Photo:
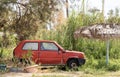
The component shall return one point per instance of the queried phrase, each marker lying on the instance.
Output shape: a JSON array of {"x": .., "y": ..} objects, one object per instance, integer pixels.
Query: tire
[{"x": 73, "y": 64}]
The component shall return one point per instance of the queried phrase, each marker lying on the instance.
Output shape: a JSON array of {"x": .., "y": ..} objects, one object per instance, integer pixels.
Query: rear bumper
[{"x": 81, "y": 61}]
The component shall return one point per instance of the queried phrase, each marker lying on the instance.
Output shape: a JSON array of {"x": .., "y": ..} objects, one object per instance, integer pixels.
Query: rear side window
[{"x": 30, "y": 46}]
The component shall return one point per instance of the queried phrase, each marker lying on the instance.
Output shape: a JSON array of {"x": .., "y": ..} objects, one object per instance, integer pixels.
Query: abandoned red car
[{"x": 49, "y": 53}]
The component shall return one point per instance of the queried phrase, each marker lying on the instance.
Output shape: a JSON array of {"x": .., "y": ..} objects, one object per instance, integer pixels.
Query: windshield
[{"x": 59, "y": 46}]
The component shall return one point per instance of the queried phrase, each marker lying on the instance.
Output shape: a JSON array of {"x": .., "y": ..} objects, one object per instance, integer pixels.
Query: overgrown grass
[
  {"x": 95, "y": 50},
  {"x": 96, "y": 65}
]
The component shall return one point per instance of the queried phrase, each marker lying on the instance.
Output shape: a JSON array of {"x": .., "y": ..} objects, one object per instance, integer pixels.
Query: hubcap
[{"x": 73, "y": 65}]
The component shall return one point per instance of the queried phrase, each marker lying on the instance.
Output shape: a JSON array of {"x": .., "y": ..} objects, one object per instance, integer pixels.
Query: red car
[{"x": 49, "y": 53}]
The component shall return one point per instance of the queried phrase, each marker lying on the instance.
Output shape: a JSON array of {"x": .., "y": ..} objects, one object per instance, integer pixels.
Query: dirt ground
[
  {"x": 39, "y": 75},
  {"x": 60, "y": 74},
  {"x": 53, "y": 72}
]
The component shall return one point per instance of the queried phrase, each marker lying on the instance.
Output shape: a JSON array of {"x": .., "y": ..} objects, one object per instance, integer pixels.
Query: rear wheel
[{"x": 73, "y": 64}]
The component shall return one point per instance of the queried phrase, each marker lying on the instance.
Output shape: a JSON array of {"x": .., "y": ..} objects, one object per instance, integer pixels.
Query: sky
[{"x": 109, "y": 4}]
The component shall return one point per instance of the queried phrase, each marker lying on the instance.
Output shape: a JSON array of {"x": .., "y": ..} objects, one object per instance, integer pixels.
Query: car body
[{"x": 48, "y": 52}]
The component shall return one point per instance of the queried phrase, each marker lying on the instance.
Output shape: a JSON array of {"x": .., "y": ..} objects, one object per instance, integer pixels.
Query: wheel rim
[{"x": 73, "y": 65}]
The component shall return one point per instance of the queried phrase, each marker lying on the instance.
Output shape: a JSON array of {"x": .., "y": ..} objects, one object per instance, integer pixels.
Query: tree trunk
[
  {"x": 103, "y": 3},
  {"x": 83, "y": 6},
  {"x": 67, "y": 11}
]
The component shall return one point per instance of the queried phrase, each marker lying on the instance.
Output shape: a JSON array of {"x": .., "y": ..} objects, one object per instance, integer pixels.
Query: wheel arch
[{"x": 72, "y": 58}]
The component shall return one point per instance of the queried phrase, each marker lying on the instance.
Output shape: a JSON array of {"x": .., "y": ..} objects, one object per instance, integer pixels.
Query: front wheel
[{"x": 73, "y": 64}]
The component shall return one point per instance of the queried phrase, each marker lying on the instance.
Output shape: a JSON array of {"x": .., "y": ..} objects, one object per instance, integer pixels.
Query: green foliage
[{"x": 113, "y": 67}]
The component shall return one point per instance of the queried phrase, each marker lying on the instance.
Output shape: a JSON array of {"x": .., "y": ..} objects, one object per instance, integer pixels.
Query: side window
[
  {"x": 30, "y": 46},
  {"x": 49, "y": 46}
]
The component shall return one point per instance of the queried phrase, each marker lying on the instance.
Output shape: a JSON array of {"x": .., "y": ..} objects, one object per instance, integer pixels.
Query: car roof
[{"x": 38, "y": 41}]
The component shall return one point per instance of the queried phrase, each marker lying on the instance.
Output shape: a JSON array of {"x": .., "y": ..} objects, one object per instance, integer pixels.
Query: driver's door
[{"x": 50, "y": 53}]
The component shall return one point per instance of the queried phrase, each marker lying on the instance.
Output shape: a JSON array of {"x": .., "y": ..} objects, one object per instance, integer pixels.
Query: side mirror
[
  {"x": 63, "y": 51},
  {"x": 59, "y": 50}
]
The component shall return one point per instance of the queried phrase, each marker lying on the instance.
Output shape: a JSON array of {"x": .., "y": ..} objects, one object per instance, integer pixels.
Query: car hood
[{"x": 76, "y": 52}]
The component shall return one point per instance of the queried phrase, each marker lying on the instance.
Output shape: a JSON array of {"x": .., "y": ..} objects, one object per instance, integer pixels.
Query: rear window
[{"x": 30, "y": 46}]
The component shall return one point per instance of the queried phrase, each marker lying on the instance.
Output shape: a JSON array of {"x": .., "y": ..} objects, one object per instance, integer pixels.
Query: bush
[{"x": 114, "y": 65}]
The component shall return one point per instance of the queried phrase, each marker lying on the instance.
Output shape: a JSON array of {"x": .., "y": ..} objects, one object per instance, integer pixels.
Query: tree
[
  {"x": 27, "y": 15},
  {"x": 5, "y": 12},
  {"x": 113, "y": 16}
]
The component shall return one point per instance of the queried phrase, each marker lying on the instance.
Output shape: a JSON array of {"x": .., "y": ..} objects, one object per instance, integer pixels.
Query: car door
[
  {"x": 50, "y": 53},
  {"x": 31, "y": 50}
]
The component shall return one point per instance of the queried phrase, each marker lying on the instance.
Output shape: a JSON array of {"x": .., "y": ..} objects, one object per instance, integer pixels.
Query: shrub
[{"x": 114, "y": 65}]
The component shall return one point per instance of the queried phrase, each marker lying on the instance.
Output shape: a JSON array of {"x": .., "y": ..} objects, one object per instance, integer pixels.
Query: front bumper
[{"x": 82, "y": 61}]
